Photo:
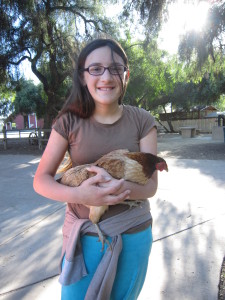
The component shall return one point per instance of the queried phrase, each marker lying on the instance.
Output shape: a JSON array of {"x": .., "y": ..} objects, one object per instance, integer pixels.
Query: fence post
[
  {"x": 4, "y": 137},
  {"x": 39, "y": 138}
]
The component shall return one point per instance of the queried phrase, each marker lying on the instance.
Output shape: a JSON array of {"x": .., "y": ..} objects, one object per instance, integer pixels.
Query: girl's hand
[{"x": 102, "y": 189}]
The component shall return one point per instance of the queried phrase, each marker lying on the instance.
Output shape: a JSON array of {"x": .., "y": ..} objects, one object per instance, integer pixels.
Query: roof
[{"x": 210, "y": 107}]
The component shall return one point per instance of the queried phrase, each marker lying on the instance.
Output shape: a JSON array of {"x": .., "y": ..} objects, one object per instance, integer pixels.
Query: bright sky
[
  {"x": 25, "y": 68},
  {"x": 183, "y": 16}
]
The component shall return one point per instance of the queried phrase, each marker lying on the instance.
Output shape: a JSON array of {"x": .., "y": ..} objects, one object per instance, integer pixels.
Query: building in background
[{"x": 24, "y": 122}]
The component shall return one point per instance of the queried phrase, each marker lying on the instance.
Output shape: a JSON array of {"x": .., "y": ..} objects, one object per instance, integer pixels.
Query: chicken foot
[{"x": 102, "y": 238}]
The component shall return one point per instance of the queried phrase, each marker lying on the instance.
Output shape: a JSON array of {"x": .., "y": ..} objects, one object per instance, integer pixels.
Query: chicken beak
[{"x": 161, "y": 166}]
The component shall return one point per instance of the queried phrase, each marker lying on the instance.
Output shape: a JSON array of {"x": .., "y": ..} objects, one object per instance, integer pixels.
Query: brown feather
[{"x": 136, "y": 167}]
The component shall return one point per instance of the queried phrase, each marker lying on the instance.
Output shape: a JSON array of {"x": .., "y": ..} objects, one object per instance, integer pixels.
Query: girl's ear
[{"x": 127, "y": 75}]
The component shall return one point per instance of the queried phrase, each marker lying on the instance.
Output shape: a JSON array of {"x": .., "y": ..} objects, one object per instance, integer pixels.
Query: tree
[
  {"x": 49, "y": 34},
  {"x": 6, "y": 101},
  {"x": 209, "y": 41},
  {"x": 29, "y": 99},
  {"x": 220, "y": 104},
  {"x": 152, "y": 13},
  {"x": 150, "y": 76},
  {"x": 200, "y": 78},
  {"x": 151, "y": 81}
]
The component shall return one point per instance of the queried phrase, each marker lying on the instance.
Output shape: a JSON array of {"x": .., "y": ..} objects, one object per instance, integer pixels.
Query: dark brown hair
[{"x": 80, "y": 101}]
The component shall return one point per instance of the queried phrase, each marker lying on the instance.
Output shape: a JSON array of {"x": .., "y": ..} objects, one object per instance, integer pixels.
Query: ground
[
  {"x": 200, "y": 147},
  {"x": 20, "y": 146},
  {"x": 169, "y": 145}
]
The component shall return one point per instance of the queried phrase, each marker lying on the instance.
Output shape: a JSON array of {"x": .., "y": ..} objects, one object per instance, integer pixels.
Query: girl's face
[{"x": 106, "y": 88}]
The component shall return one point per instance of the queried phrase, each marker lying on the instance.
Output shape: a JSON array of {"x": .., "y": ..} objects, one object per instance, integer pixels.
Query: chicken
[{"x": 136, "y": 167}]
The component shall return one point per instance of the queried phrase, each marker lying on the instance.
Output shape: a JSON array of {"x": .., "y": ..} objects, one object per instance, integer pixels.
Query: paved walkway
[{"x": 188, "y": 248}]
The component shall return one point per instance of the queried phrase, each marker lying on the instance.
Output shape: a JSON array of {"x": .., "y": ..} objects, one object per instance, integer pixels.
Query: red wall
[
  {"x": 40, "y": 123},
  {"x": 19, "y": 120}
]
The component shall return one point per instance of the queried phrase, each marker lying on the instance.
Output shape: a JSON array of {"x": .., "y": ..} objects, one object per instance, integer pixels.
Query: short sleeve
[
  {"x": 61, "y": 125},
  {"x": 147, "y": 122}
]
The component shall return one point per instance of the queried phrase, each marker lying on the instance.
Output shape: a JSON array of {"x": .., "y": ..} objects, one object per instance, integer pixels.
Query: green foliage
[
  {"x": 49, "y": 34},
  {"x": 199, "y": 46},
  {"x": 29, "y": 99},
  {"x": 205, "y": 91},
  {"x": 6, "y": 101},
  {"x": 151, "y": 14},
  {"x": 220, "y": 104},
  {"x": 156, "y": 81},
  {"x": 196, "y": 78},
  {"x": 149, "y": 75}
]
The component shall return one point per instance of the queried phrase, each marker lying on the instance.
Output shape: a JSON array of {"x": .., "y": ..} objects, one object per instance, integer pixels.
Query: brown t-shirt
[{"x": 88, "y": 140}]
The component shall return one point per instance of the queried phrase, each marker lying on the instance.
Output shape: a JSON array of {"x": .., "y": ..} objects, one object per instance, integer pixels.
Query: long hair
[{"x": 80, "y": 101}]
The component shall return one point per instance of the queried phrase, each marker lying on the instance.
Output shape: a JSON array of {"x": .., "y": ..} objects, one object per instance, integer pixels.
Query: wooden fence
[
  {"x": 202, "y": 125},
  {"x": 36, "y": 136}
]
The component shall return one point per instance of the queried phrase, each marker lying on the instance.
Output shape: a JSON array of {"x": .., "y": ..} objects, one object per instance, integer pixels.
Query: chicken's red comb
[{"x": 161, "y": 166}]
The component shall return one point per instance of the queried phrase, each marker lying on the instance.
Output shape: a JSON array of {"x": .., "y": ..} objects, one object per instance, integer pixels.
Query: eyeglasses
[{"x": 97, "y": 70}]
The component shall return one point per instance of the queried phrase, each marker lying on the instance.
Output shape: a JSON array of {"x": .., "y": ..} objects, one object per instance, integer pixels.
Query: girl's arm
[
  {"x": 88, "y": 193},
  {"x": 147, "y": 144}
]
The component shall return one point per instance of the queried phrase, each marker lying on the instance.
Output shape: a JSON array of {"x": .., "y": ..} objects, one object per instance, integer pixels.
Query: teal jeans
[{"x": 131, "y": 269}]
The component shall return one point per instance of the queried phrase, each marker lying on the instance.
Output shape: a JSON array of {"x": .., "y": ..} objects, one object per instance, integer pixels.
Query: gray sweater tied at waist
[{"x": 74, "y": 267}]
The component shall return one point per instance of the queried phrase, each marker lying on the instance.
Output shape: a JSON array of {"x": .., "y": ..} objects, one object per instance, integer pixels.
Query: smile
[{"x": 105, "y": 88}]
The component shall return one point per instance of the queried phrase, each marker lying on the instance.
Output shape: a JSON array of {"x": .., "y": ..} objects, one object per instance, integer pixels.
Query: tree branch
[
  {"x": 19, "y": 61},
  {"x": 73, "y": 10}
]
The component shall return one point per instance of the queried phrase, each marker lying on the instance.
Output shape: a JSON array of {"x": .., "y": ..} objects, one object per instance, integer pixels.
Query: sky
[{"x": 183, "y": 16}]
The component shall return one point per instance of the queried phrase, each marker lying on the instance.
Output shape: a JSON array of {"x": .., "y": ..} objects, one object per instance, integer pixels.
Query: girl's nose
[{"x": 106, "y": 75}]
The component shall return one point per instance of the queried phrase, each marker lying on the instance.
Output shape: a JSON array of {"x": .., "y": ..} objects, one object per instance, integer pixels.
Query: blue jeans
[{"x": 131, "y": 269}]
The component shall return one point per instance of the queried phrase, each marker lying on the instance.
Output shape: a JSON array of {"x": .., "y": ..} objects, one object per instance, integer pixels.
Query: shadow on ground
[
  {"x": 188, "y": 225},
  {"x": 30, "y": 226},
  {"x": 188, "y": 221},
  {"x": 189, "y": 255},
  {"x": 200, "y": 147}
]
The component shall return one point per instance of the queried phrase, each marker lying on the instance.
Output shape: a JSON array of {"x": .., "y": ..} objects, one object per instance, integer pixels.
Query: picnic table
[{"x": 188, "y": 131}]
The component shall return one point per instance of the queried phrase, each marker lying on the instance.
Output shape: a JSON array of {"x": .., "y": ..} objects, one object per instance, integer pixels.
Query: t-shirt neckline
[{"x": 109, "y": 124}]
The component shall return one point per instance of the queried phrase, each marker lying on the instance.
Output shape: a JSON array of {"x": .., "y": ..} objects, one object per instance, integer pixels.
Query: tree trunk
[
  {"x": 166, "y": 129},
  {"x": 51, "y": 111},
  {"x": 170, "y": 126},
  {"x": 168, "y": 121}
]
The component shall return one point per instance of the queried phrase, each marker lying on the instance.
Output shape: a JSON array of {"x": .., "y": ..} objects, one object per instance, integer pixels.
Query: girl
[{"x": 92, "y": 123}]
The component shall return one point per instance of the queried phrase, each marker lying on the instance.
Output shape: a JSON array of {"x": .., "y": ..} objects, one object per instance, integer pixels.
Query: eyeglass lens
[{"x": 114, "y": 70}]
